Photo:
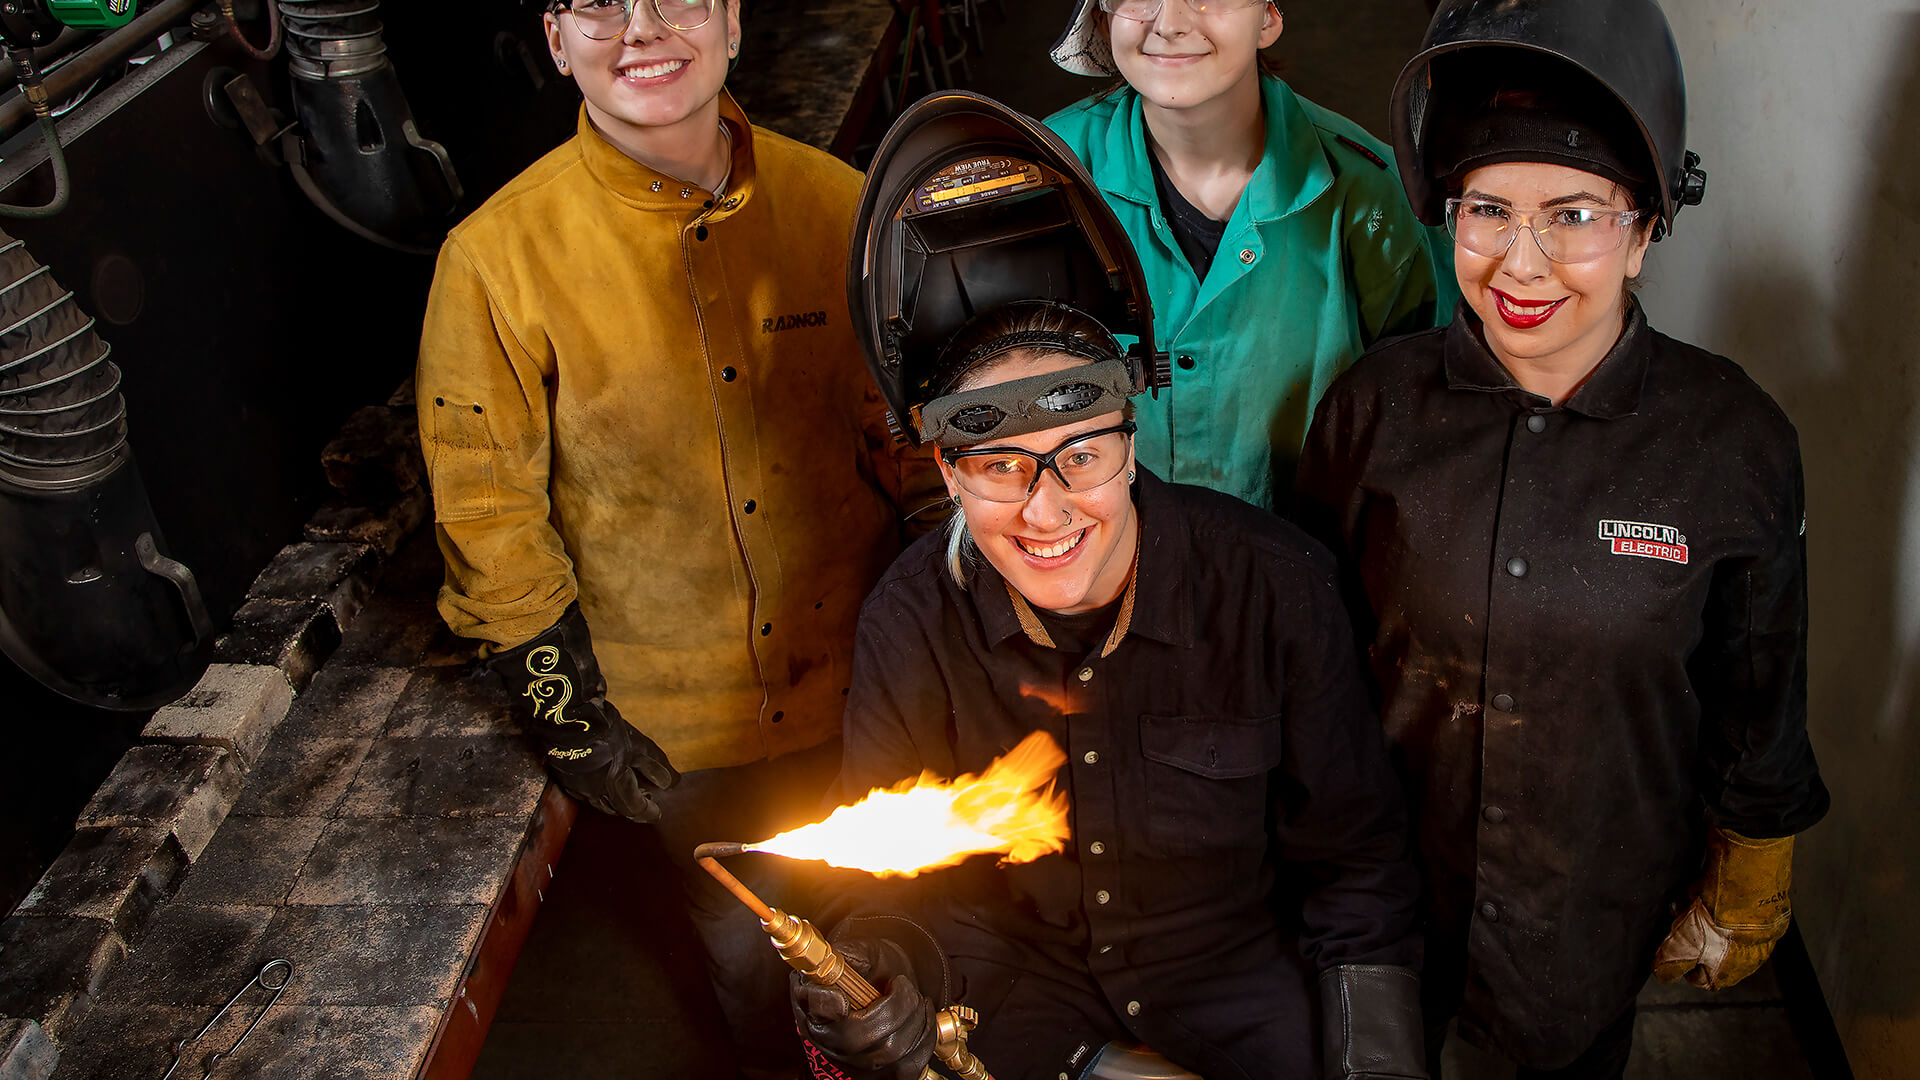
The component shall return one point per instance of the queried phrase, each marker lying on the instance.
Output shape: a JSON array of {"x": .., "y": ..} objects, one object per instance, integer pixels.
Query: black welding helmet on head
[
  {"x": 1592, "y": 84},
  {"x": 969, "y": 207}
]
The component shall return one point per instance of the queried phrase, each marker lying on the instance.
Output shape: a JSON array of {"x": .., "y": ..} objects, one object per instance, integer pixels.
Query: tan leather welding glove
[{"x": 1739, "y": 910}]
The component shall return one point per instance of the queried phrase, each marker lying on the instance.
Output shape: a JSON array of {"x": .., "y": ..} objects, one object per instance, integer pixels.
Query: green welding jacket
[
  {"x": 1321, "y": 258},
  {"x": 646, "y": 396}
]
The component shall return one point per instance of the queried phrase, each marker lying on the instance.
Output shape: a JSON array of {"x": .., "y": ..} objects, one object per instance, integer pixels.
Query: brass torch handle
[{"x": 807, "y": 951}]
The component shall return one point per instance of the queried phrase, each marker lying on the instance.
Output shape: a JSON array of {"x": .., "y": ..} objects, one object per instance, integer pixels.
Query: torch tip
[{"x": 720, "y": 850}]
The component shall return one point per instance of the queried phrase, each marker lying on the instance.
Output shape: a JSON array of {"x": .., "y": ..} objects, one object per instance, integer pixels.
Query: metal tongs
[{"x": 265, "y": 979}]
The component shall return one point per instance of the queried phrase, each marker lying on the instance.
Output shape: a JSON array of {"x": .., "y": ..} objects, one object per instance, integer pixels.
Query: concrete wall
[{"x": 1804, "y": 265}]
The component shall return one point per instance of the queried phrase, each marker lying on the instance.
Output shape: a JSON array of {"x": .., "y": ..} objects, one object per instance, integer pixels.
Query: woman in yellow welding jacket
[
  {"x": 623, "y": 349},
  {"x": 1237, "y": 835}
]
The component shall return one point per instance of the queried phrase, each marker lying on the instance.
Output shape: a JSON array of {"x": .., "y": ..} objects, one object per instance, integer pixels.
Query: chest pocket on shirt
[
  {"x": 460, "y": 461},
  {"x": 1207, "y": 780}
]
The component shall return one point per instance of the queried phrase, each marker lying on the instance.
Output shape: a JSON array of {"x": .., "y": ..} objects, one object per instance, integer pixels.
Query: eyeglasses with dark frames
[{"x": 1008, "y": 474}]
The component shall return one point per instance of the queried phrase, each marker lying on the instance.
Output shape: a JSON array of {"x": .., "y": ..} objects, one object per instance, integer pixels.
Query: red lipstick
[{"x": 1524, "y": 315}]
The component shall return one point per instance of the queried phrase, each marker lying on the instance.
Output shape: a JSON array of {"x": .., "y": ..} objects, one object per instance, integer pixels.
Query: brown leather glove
[{"x": 1739, "y": 910}]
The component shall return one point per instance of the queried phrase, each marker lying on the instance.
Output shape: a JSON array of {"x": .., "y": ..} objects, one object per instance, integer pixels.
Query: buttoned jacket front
[
  {"x": 650, "y": 398},
  {"x": 1588, "y": 625}
]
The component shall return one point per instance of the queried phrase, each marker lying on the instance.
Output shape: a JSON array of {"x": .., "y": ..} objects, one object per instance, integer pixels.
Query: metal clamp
[{"x": 264, "y": 979}]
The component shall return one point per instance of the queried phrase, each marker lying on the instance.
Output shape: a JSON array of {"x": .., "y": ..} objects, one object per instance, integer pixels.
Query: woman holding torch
[
  {"x": 1581, "y": 549},
  {"x": 1236, "y": 832}
]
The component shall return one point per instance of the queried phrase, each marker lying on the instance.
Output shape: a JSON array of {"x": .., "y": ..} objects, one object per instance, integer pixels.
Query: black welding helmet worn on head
[
  {"x": 970, "y": 207},
  {"x": 1592, "y": 84}
]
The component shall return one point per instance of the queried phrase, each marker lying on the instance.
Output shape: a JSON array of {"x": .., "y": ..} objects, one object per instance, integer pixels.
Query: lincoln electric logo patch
[
  {"x": 776, "y": 323},
  {"x": 1645, "y": 540}
]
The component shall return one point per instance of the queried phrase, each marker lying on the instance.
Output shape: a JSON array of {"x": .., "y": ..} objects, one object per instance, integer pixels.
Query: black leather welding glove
[
  {"x": 1370, "y": 1026},
  {"x": 893, "y": 1038},
  {"x": 596, "y": 755}
]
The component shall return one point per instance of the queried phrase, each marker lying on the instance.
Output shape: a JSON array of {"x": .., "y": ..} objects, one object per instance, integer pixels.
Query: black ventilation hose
[{"x": 36, "y": 94}]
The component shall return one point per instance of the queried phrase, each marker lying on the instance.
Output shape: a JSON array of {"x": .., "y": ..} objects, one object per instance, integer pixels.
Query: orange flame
[{"x": 929, "y": 823}]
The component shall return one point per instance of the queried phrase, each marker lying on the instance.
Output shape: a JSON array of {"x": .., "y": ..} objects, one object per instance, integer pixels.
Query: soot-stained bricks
[
  {"x": 338, "y": 575},
  {"x": 484, "y": 775},
  {"x": 25, "y": 1051},
  {"x": 119, "y": 876},
  {"x": 303, "y": 777},
  {"x": 196, "y": 955},
  {"x": 453, "y": 701},
  {"x": 403, "y": 860},
  {"x": 346, "y": 701},
  {"x": 383, "y": 527},
  {"x": 55, "y": 966},
  {"x": 384, "y": 954},
  {"x": 252, "y": 860},
  {"x": 185, "y": 789},
  {"x": 236, "y": 706},
  {"x": 295, "y": 636}
]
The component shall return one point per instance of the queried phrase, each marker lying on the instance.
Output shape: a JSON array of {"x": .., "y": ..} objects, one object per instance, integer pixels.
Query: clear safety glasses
[
  {"x": 1006, "y": 474},
  {"x": 603, "y": 20},
  {"x": 1148, "y": 10},
  {"x": 1566, "y": 234}
]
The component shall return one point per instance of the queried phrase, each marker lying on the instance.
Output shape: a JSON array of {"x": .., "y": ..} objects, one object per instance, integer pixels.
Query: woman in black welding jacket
[
  {"x": 1580, "y": 547},
  {"x": 1237, "y": 833}
]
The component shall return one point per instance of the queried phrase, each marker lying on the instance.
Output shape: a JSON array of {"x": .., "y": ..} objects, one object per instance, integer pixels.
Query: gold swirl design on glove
[{"x": 550, "y": 690}]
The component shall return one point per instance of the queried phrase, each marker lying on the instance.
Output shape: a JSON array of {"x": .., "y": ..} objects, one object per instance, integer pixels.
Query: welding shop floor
[{"x": 611, "y": 982}]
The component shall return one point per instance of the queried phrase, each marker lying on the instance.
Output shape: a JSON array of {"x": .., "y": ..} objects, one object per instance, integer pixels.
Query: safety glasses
[
  {"x": 1566, "y": 234},
  {"x": 1007, "y": 474},
  {"x": 603, "y": 20}
]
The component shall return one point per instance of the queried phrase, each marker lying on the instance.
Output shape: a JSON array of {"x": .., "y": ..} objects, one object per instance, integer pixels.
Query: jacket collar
[
  {"x": 1292, "y": 173},
  {"x": 1611, "y": 393},
  {"x": 1162, "y": 599},
  {"x": 649, "y": 189}
]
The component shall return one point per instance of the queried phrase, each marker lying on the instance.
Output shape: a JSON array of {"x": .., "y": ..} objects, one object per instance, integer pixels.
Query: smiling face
[
  {"x": 651, "y": 77},
  {"x": 1539, "y": 314},
  {"x": 1065, "y": 551},
  {"x": 1182, "y": 59}
]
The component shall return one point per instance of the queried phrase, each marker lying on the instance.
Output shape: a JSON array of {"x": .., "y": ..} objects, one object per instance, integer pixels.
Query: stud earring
[
  {"x": 1129, "y": 476},
  {"x": 733, "y": 48},
  {"x": 563, "y": 67}
]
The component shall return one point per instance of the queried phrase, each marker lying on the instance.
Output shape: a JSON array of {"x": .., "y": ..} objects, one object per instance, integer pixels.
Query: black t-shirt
[
  {"x": 1198, "y": 235},
  {"x": 1082, "y": 633}
]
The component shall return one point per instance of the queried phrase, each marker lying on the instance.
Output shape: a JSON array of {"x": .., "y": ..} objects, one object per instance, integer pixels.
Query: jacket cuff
[{"x": 1370, "y": 1023}]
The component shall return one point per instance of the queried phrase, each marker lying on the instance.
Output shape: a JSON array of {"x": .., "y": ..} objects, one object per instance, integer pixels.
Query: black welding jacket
[
  {"x": 1236, "y": 825},
  {"x": 1589, "y": 631}
]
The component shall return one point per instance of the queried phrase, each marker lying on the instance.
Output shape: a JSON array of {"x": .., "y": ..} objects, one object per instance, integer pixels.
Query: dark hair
[{"x": 1015, "y": 318}]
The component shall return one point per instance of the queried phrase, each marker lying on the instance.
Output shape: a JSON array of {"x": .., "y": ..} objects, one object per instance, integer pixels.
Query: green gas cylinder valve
[{"x": 92, "y": 14}]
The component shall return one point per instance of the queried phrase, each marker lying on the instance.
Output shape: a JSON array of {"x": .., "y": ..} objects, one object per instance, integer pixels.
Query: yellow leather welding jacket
[{"x": 650, "y": 398}]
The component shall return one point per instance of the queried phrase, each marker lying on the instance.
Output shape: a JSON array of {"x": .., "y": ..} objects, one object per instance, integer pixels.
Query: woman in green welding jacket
[{"x": 1276, "y": 240}]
